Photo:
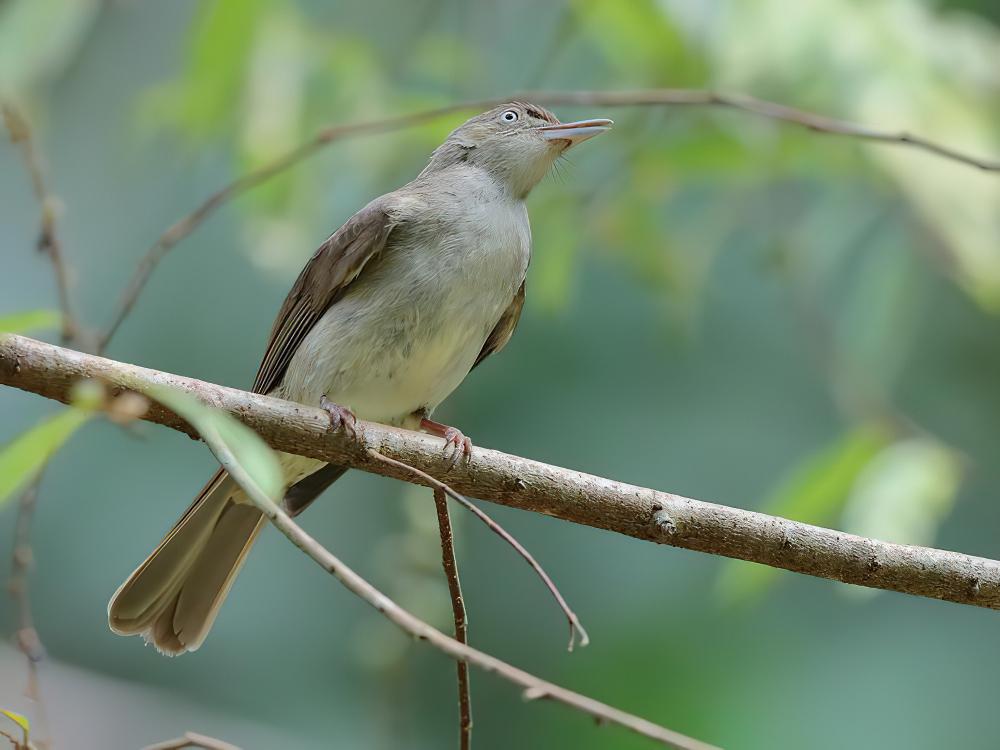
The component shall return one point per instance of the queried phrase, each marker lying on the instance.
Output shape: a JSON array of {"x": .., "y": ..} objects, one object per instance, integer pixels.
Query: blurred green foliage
[
  {"x": 719, "y": 305},
  {"x": 816, "y": 489},
  {"x": 23, "y": 457},
  {"x": 30, "y": 321}
]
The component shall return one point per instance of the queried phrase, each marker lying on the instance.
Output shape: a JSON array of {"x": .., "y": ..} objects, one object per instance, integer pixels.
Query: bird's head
[{"x": 517, "y": 143}]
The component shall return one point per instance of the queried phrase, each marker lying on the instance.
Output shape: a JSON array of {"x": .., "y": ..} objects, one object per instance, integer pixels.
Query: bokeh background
[{"x": 719, "y": 306}]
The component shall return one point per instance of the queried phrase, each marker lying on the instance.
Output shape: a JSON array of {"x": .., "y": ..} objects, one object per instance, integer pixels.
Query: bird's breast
[{"x": 409, "y": 329}]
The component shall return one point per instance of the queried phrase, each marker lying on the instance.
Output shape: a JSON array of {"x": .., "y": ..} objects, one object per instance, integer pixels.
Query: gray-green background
[{"x": 719, "y": 306}]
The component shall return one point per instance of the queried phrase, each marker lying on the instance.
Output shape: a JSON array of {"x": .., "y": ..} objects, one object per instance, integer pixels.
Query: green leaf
[
  {"x": 210, "y": 92},
  {"x": 814, "y": 492},
  {"x": 881, "y": 64},
  {"x": 638, "y": 40},
  {"x": 30, "y": 320},
  {"x": 38, "y": 38},
  {"x": 905, "y": 492},
  {"x": 252, "y": 453},
  {"x": 903, "y": 495},
  {"x": 22, "y": 458},
  {"x": 21, "y": 721}
]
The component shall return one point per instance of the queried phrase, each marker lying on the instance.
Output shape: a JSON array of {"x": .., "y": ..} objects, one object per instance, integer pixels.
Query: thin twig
[
  {"x": 575, "y": 626},
  {"x": 187, "y": 224},
  {"x": 48, "y": 238},
  {"x": 534, "y": 687},
  {"x": 518, "y": 482},
  {"x": 450, "y": 565},
  {"x": 762, "y": 108},
  {"x": 192, "y": 739},
  {"x": 28, "y": 640},
  {"x": 21, "y": 562},
  {"x": 653, "y": 97}
]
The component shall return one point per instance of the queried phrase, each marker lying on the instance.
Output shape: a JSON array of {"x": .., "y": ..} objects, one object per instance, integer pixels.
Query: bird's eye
[{"x": 509, "y": 116}]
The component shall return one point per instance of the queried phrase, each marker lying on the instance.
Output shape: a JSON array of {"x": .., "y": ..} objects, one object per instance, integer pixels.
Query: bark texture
[{"x": 639, "y": 512}]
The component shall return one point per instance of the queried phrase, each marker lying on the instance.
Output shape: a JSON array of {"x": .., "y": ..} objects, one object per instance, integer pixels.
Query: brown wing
[
  {"x": 333, "y": 266},
  {"x": 504, "y": 328}
]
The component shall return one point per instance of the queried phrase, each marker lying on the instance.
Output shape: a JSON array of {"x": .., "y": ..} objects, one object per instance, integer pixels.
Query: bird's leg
[
  {"x": 340, "y": 416},
  {"x": 454, "y": 439}
]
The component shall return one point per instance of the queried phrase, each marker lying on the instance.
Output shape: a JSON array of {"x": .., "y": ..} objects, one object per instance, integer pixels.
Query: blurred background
[{"x": 719, "y": 306}]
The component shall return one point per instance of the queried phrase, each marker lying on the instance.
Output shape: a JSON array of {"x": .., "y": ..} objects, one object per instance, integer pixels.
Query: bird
[{"x": 386, "y": 319}]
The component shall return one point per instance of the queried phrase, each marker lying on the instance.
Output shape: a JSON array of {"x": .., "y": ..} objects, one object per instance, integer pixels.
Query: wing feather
[
  {"x": 504, "y": 328},
  {"x": 334, "y": 265}
]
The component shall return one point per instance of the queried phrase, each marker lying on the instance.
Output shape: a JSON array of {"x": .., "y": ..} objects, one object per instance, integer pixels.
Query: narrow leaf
[
  {"x": 905, "y": 492},
  {"x": 21, "y": 721},
  {"x": 252, "y": 453},
  {"x": 23, "y": 457},
  {"x": 29, "y": 320}
]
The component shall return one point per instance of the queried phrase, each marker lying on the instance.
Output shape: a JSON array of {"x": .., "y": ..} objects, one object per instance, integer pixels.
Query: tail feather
[
  {"x": 212, "y": 575},
  {"x": 173, "y": 597}
]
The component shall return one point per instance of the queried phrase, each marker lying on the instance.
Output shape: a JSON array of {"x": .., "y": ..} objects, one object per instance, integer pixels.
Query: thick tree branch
[
  {"x": 638, "y": 512},
  {"x": 642, "y": 98}
]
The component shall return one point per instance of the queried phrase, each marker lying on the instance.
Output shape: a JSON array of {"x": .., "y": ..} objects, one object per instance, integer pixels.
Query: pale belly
[
  {"x": 387, "y": 384},
  {"x": 386, "y": 368}
]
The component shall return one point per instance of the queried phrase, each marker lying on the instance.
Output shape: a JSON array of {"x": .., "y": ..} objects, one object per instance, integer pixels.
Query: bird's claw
[
  {"x": 458, "y": 445},
  {"x": 341, "y": 418},
  {"x": 455, "y": 442}
]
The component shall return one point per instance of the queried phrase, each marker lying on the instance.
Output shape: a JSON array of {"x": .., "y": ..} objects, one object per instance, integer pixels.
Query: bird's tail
[{"x": 173, "y": 597}]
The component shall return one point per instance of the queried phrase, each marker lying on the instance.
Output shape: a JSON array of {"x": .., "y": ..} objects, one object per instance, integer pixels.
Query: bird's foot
[
  {"x": 455, "y": 440},
  {"x": 341, "y": 418}
]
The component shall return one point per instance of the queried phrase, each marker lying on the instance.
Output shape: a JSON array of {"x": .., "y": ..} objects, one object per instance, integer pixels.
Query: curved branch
[
  {"x": 576, "y": 629},
  {"x": 642, "y": 98},
  {"x": 768, "y": 110},
  {"x": 534, "y": 687},
  {"x": 48, "y": 237},
  {"x": 652, "y": 515}
]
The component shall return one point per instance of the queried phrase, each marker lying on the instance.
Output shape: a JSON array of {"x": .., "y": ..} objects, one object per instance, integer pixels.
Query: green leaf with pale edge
[
  {"x": 252, "y": 453},
  {"x": 23, "y": 457},
  {"x": 30, "y": 320},
  {"x": 904, "y": 494},
  {"x": 814, "y": 492},
  {"x": 21, "y": 721}
]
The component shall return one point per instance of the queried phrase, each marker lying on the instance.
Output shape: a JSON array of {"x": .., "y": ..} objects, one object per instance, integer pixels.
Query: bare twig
[
  {"x": 761, "y": 108},
  {"x": 534, "y": 687},
  {"x": 48, "y": 238},
  {"x": 575, "y": 626},
  {"x": 643, "y": 98},
  {"x": 21, "y": 562},
  {"x": 639, "y": 512},
  {"x": 187, "y": 224},
  {"x": 450, "y": 565},
  {"x": 28, "y": 640},
  {"x": 192, "y": 739}
]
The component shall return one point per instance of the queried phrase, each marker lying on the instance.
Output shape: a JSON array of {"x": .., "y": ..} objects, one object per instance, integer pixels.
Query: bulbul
[{"x": 386, "y": 319}]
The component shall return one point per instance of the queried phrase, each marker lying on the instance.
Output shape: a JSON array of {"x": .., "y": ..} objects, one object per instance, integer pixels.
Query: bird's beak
[{"x": 575, "y": 132}]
